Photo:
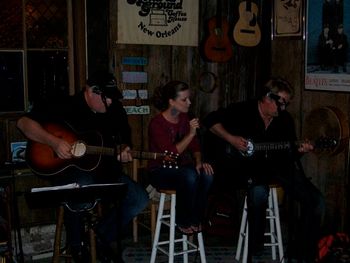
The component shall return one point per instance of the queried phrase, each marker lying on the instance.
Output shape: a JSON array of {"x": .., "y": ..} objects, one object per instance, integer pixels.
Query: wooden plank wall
[{"x": 239, "y": 79}]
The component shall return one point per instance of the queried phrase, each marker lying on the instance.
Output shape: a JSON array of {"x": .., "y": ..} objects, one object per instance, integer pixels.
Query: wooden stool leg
[
  {"x": 58, "y": 235},
  {"x": 92, "y": 245},
  {"x": 153, "y": 219}
]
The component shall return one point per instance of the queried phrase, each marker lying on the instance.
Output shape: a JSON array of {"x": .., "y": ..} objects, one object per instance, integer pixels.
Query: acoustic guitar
[
  {"x": 246, "y": 32},
  {"x": 43, "y": 160},
  {"x": 217, "y": 46}
]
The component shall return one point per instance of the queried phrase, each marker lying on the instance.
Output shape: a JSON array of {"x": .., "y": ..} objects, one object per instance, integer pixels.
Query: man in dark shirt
[
  {"x": 241, "y": 127},
  {"x": 96, "y": 109}
]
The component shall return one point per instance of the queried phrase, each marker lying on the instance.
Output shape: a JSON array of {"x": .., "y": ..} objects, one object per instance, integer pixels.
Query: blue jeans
[
  {"x": 307, "y": 226},
  {"x": 191, "y": 192},
  {"x": 110, "y": 226}
]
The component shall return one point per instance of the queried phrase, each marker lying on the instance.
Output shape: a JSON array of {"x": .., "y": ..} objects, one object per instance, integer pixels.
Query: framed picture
[
  {"x": 327, "y": 47},
  {"x": 288, "y": 18}
]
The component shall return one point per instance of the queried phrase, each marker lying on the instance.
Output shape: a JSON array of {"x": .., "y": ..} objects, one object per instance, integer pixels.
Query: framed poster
[
  {"x": 327, "y": 47},
  {"x": 160, "y": 22},
  {"x": 288, "y": 18}
]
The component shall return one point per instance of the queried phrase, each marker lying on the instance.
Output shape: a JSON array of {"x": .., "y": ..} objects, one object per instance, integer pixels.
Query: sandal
[
  {"x": 186, "y": 230},
  {"x": 197, "y": 228}
]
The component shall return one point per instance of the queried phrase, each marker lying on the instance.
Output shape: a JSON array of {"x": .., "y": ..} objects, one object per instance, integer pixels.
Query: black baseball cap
[{"x": 104, "y": 83}]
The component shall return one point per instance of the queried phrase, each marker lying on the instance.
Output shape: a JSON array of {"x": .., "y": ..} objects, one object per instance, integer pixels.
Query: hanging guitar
[
  {"x": 43, "y": 160},
  {"x": 321, "y": 144},
  {"x": 217, "y": 46},
  {"x": 246, "y": 32}
]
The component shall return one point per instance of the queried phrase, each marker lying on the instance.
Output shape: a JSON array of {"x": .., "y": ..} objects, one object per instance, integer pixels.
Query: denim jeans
[
  {"x": 110, "y": 226},
  {"x": 191, "y": 192},
  {"x": 307, "y": 226}
]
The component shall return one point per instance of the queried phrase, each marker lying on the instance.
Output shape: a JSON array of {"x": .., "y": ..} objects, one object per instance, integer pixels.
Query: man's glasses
[{"x": 280, "y": 101}]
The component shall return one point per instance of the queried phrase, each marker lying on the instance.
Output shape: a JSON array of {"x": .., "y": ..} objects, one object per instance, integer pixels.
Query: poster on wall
[
  {"x": 327, "y": 45},
  {"x": 161, "y": 22},
  {"x": 288, "y": 18}
]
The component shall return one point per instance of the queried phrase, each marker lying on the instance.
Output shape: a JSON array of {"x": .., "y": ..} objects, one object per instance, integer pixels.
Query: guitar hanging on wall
[
  {"x": 247, "y": 31},
  {"x": 217, "y": 46}
]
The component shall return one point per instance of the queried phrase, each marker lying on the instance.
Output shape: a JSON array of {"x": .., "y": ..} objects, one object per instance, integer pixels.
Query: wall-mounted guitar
[
  {"x": 246, "y": 31},
  {"x": 217, "y": 46},
  {"x": 43, "y": 160}
]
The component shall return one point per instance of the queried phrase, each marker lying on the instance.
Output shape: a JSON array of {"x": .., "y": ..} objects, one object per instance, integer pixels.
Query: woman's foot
[
  {"x": 197, "y": 228},
  {"x": 185, "y": 230}
]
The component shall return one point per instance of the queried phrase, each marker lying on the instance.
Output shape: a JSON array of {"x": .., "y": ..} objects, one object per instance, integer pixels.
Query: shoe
[{"x": 185, "y": 230}]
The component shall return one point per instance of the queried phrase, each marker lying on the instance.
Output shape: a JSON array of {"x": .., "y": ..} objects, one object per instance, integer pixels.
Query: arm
[
  {"x": 206, "y": 167},
  {"x": 236, "y": 141},
  {"x": 35, "y": 132},
  {"x": 182, "y": 145}
]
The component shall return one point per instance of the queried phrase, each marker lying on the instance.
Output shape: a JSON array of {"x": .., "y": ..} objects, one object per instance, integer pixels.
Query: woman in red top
[{"x": 171, "y": 130}]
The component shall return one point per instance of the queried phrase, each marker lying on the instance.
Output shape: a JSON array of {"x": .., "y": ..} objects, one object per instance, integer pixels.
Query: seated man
[
  {"x": 98, "y": 109},
  {"x": 243, "y": 125}
]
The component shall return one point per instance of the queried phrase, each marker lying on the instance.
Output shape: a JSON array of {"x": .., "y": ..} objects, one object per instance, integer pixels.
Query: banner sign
[{"x": 158, "y": 22}]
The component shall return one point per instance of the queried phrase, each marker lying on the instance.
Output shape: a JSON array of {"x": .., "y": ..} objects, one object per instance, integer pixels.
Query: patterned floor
[{"x": 213, "y": 255}]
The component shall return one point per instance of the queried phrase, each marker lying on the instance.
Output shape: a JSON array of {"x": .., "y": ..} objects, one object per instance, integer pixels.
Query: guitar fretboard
[
  {"x": 112, "y": 151},
  {"x": 270, "y": 146}
]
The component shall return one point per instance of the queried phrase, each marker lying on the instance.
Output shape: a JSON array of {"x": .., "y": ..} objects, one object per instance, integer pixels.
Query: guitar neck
[
  {"x": 271, "y": 146},
  {"x": 112, "y": 151}
]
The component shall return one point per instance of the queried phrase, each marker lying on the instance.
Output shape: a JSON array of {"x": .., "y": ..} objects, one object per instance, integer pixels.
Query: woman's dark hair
[{"x": 170, "y": 90}]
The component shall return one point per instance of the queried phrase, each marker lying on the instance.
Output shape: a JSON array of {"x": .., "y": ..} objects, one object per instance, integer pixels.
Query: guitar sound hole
[{"x": 78, "y": 149}]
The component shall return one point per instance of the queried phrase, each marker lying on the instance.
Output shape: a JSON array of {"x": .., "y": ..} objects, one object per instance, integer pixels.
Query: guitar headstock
[
  {"x": 327, "y": 144},
  {"x": 170, "y": 160}
]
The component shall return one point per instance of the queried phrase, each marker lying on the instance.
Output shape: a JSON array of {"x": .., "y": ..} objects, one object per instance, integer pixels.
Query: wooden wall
[{"x": 240, "y": 78}]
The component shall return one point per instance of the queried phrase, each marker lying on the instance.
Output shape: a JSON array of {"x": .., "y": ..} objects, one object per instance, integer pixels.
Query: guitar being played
[
  {"x": 43, "y": 160},
  {"x": 266, "y": 121},
  {"x": 97, "y": 109}
]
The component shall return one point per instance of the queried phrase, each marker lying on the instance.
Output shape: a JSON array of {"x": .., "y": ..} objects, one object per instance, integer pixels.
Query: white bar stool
[
  {"x": 168, "y": 219},
  {"x": 274, "y": 233}
]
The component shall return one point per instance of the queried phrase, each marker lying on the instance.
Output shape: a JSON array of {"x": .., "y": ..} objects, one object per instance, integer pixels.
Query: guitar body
[
  {"x": 44, "y": 161},
  {"x": 246, "y": 31},
  {"x": 217, "y": 46}
]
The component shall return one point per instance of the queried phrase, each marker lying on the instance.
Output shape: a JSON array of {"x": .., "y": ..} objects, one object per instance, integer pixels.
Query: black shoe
[{"x": 80, "y": 254}]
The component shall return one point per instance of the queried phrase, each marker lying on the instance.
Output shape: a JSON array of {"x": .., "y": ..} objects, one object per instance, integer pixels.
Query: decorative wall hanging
[
  {"x": 288, "y": 18},
  {"x": 161, "y": 22},
  {"x": 327, "y": 53}
]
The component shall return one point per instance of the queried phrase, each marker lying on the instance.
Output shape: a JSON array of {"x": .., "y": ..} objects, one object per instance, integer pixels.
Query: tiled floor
[{"x": 219, "y": 249}]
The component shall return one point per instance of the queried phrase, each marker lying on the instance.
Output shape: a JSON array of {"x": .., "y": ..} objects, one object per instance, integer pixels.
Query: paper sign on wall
[
  {"x": 134, "y": 77},
  {"x": 130, "y": 94},
  {"x": 138, "y": 110},
  {"x": 161, "y": 22}
]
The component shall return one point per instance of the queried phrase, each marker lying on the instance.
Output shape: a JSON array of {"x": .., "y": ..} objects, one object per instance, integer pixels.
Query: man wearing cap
[{"x": 97, "y": 108}]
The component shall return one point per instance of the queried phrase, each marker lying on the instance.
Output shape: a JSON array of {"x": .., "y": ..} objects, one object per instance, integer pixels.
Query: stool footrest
[{"x": 193, "y": 247}]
